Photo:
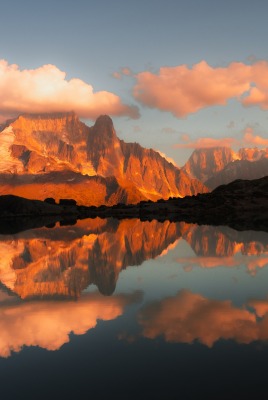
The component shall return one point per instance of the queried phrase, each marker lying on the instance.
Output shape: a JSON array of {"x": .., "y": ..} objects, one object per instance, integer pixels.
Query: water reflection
[
  {"x": 60, "y": 263},
  {"x": 63, "y": 261},
  {"x": 223, "y": 246},
  {"x": 188, "y": 316},
  {"x": 48, "y": 324}
]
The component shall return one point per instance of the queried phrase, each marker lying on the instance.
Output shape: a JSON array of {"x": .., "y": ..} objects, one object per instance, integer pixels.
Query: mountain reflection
[
  {"x": 224, "y": 246},
  {"x": 59, "y": 263},
  {"x": 48, "y": 324},
  {"x": 63, "y": 261},
  {"x": 187, "y": 317}
]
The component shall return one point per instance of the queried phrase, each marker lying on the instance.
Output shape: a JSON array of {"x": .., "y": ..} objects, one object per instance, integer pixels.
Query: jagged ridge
[{"x": 40, "y": 145}]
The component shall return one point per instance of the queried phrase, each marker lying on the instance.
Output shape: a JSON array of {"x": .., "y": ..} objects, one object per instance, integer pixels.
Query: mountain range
[
  {"x": 57, "y": 155},
  {"x": 62, "y": 262},
  {"x": 221, "y": 165}
]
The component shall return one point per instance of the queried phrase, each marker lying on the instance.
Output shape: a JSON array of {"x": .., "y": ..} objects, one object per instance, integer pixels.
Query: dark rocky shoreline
[{"x": 242, "y": 205}]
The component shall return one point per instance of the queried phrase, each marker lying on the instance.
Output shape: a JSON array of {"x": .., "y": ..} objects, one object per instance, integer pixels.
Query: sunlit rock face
[
  {"x": 36, "y": 149},
  {"x": 221, "y": 165},
  {"x": 252, "y": 154},
  {"x": 204, "y": 163},
  {"x": 61, "y": 262}
]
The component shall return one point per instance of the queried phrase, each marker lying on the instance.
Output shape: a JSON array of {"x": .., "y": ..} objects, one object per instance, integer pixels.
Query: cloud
[
  {"x": 47, "y": 324},
  {"x": 184, "y": 90},
  {"x": 117, "y": 75},
  {"x": 123, "y": 71},
  {"x": 250, "y": 139},
  {"x": 252, "y": 264},
  {"x": 187, "y": 317},
  {"x": 206, "y": 142},
  {"x": 46, "y": 89},
  {"x": 168, "y": 130}
]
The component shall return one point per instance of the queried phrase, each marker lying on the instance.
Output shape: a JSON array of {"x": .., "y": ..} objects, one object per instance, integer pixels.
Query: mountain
[
  {"x": 239, "y": 169},
  {"x": 204, "y": 163},
  {"x": 56, "y": 155},
  {"x": 61, "y": 262},
  {"x": 221, "y": 165}
]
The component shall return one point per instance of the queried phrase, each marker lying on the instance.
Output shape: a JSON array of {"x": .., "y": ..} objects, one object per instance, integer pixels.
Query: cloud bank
[
  {"x": 249, "y": 139},
  {"x": 46, "y": 89},
  {"x": 182, "y": 90}
]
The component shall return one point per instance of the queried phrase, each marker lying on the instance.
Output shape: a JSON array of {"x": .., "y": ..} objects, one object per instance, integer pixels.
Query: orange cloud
[
  {"x": 182, "y": 90},
  {"x": 189, "y": 316},
  {"x": 48, "y": 324},
  {"x": 46, "y": 89},
  {"x": 253, "y": 140},
  {"x": 258, "y": 94},
  {"x": 253, "y": 263},
  {"x": 123, "y": 71},
  {"x": 206, "y": 143}
]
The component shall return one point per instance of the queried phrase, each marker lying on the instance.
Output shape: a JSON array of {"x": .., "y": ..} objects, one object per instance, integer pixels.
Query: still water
[{"x": 133, "y": 310}]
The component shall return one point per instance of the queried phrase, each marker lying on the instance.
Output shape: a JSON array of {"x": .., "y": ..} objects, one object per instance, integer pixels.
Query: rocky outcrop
[{"x": 14, "y": 206}]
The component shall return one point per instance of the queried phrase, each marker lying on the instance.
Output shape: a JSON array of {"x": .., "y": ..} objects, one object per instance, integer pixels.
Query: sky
[{"x": 173, "y": 75}]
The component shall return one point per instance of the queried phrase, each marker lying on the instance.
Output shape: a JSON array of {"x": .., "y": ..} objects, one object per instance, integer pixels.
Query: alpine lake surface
[{"x": 133, "y": 310}]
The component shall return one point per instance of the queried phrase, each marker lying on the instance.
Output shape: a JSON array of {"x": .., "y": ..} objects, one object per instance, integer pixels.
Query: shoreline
[{"x": 242, "y": 205}]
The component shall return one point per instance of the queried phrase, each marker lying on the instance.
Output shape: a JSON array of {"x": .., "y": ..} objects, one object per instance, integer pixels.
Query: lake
[{"x": 133, "y": 310}]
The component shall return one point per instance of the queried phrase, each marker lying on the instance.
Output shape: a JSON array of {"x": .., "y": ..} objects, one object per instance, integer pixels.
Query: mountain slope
[
  {"x": 239, "y": 169},
  {"x": 56, "y": 155},
  {"x": 221, "y": 165}
]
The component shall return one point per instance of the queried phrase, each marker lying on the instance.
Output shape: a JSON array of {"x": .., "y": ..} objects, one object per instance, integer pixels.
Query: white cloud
[{"x": 46, "y": 89}]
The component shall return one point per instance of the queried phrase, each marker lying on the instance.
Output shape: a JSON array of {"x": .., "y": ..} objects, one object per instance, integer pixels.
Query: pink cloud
[
  {"x": 126, "y": 71},
  {"x": 258, "y": 94},
  {"x": 183, "y": 90},
  {"x": 250, "y": 139},
  {"x": 117, "y": 75},
  {"x": 123, "y": 71},
  {"x": 46, "y": 89},
  {"x": 48, "y": 324},
  {"x": 206, "y": 143},
  {"x": 187, "y": 317}
]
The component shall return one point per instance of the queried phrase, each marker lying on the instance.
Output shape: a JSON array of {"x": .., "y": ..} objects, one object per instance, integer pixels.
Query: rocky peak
[
  {"x": 103, "y": 147},
  {"x": 104, "y": 128},
  {"x": 252, "y": 154},
  {"x": 65, "y": 124},
  {"x": 205, "y": 162}
]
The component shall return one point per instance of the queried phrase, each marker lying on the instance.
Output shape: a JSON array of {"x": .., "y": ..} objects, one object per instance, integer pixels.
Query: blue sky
[{"x": 94, "y": 40}]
